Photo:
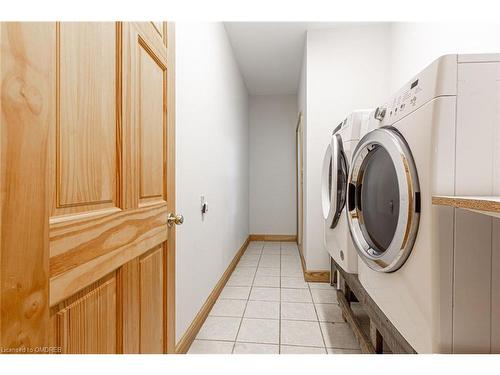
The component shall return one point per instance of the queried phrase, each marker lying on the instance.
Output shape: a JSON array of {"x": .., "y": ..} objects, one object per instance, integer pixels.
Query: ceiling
[{"x": 270, "y": 54}]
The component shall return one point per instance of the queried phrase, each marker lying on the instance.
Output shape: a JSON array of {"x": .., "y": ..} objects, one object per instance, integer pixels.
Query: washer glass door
[
  {"x": 380, "y": 197},
  {"x": 384, "y": 200}
]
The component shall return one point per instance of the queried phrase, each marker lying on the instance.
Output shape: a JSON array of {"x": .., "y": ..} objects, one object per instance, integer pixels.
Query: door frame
[{"x": 299, "y": 169}]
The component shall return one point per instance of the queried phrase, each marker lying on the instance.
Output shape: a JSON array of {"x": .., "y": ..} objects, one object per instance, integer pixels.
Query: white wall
[
  {"x": 273, "y": 120},
  {"x": 211, "y": 159},
  {"x": 415, "y": 45},
  {"x": 347, "y": 69}
]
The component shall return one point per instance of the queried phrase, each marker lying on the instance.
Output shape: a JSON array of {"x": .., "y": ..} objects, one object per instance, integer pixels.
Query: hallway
[{"x": 266, "y": 307}]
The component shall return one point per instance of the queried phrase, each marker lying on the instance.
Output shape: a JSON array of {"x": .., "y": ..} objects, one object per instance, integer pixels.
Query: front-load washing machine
[
  {"x": 429, "y": 268},
  {"x": 334, "y": 190}
]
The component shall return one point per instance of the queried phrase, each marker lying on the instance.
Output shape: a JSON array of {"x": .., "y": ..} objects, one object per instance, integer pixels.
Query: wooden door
[
  {"x": 300, "y": 182},
  {"x": 107, "y": 281}
]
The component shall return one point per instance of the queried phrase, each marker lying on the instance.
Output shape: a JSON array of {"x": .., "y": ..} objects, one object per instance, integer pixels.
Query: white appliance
[
  {"x": 431, "y": 269},
  {"x": 334, "y": 190}
]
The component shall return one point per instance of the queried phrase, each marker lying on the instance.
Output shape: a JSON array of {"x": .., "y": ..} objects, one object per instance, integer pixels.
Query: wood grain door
[
  {"x": 107, "y": 255},
  {"x": 300, "y": 181}
]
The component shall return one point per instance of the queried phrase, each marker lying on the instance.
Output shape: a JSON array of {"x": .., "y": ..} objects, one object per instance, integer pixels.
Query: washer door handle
[
  {"x": 351, "y": 197},
  {"x": 358, "y": 197}
]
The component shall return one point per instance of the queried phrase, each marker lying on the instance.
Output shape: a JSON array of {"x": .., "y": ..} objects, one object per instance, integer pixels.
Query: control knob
[{"x": 380, "y": 113}]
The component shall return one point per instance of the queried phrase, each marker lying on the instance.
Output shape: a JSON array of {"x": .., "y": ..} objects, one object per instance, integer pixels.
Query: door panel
[
  {"x": 152, "y": 121},
  {"x": 143, "y": 303},
  {"x": 131, "y": 309},
  {"x": 86, "y": 323},
  {"x": 145, "y": 84},
  {"x": 86, "y": 134},
  {"x": 151, "y": 301},
  {"x": 84, "y": 137}
]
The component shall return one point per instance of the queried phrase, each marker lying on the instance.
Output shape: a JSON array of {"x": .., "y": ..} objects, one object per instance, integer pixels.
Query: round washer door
[
  {"x": 383, "y": 200},
  {"x": 334, "y": 181}
]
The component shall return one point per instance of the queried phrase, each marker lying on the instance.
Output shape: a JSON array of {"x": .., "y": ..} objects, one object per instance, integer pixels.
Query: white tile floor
[{"x": 266, "y": 307}]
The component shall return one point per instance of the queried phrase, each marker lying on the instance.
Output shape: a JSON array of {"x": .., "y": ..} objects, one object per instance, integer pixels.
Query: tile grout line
[
  {"x": 248, "y": 299},
  {"x": 317, "y": 317},
  {"x": 262, "y": 343},
  {"x": 277, "y": 287},
  {"x": 288, "y": 320}
]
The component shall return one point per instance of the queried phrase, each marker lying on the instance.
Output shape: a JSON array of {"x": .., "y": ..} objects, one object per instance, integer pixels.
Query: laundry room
[
  {"x": 307, "y": 171},
  {"x": 296, "y": 188}
]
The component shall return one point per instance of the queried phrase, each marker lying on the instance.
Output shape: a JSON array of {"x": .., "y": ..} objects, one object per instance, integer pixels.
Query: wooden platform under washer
[{"x": 382, "y": 331}]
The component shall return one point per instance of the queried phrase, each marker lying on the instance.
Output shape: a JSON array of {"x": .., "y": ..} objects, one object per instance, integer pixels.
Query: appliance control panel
[
  {"x": 406, "y": 101},
  {"x": 437, "y": 79}
]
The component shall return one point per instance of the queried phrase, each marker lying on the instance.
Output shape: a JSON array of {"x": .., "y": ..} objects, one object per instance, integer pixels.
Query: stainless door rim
[
  {"x": 409, "y": 200},
  {"x": 326, "y": 191},
  {"x": 332, "y": 209},
  {"x": 338, "y": 157}
]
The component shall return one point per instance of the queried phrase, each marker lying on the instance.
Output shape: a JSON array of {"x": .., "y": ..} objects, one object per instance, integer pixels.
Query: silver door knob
[{"x": 174, "y": 219}]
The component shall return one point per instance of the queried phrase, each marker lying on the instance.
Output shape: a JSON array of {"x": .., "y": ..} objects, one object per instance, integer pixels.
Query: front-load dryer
[
  {"x": 334, "y": 190},
  {"x": 430, "y": 268}
]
